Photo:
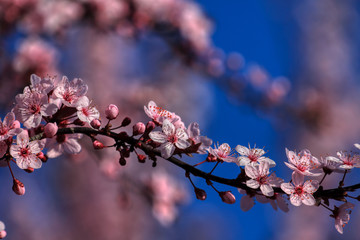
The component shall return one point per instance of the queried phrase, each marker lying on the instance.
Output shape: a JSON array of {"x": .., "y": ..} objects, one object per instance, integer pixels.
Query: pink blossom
[
  {"x": 18, "y": 187},
  {"x": 342, "y": 215},
  {"x": 25, "y": 152},
  {"x": 138, "y": 128},
  {"x": 259, "y": 178},
  {"x": 7, "y": 127},
  {"x": 223, "y": 152},
  {"x": 50, "y": 130},
  {"x": 32, "y": 106},
  {"x": 156, "y": 113},
  {"x": 71, "y": 92},
  {"x": 170, "y": 137},
  {"x": 227, "y": 197},
  {"x": 63, "y": 143},
  {"x": 111, "y": 112},
  {"x": 330, "y": 164},
  {"x": 193, "y": 132},
  {"x": 303, "y": 163},
  {"x": 95, "y": 123},
  {"x": 299, "y": 191},
  {"x": 41, "y": 85},
  {"x": 348, "y": 161},
  {"x": 252, "y": 156},
  {"x": 85, "y": 111}
]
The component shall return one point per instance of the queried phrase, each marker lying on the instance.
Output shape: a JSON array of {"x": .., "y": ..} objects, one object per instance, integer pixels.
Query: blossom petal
[
  {"x": 295, "y": 200},
  {"x": 167, "y": 149},
  {"x": 181, "y": 134},
  {"x": 311, "y": 186},
  {"x": 267, "y": 190},
  {"x": 242, "y": 150},
  {"x": 168, "y": 128},
  {"x": 246, "y": 203},
  {"x": 22, "y": 139},
  {"x": 243, "y": 161},
  {"x": 251, "y": 171},
  {"x": 252, "y": 183},
  {"x": 297, "y": 178},
  {"x": 182, "y": 144},
  {"x": 308, "y": 199},
  {"x": 71, "y": 146},
  {"x": 35, "y": 162},
  {"x": 264, "y": 169},
  {"x": 158, "y": 136},
  {"x": 292, "y": 157},
  {"x": 287, "y": 188}
]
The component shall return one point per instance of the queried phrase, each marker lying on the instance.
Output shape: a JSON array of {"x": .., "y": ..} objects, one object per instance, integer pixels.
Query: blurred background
[{"x": 272, "y": 73}]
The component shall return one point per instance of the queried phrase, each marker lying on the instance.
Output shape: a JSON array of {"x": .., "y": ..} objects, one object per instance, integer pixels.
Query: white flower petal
[
  {"x": 297, "y": 178},
  {"x": 168, "y": 128},
  {"x": 267, "y": 190},
  {"x": 251, "y": 171},
  {"x": 246, "y": 203},
  {"x": 287, "y": 188},
  {"x": 308, "y": 199},
  {"x": 71, "y": 146},
  {"x": 182, "y": 144},
  {"x": 311, "y": 186},
  {"x": 158, "y": 136},
  {"x": 167, "y": 150},
  {"x": 242, "y": 150},
  {"x": 295, "y": 200},
  {"x": 252, "y": 183}
]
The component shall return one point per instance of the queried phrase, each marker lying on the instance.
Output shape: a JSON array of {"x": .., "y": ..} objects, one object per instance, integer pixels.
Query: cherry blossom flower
[
  {"x": 223, "y": 152},
  {"x": 193, "y": 132},
  {"x": 63, "y": 143},
  {"x": 25, "y": 152},
  {"x": 330, "y": 164},
  {"x": 87, "y": 112},
  {"x": 157, "y": 114},
  {"x": 31, "y": 106},
  {"x": 247, "y": 201},
  {"x": 342, "y": 215},
  {"x": 303, "y": 163},
  {"x": 348, "y": 161},
  {"x": 41, "y": 85},
  {"x": 259, "y": 178},
  {"x": 170, "y": 137},
  {"x": 7, "y": 127},
  {"x": 71, "y": 92},
  {"x": 252, "y": 156},
  {"x": 299, "y": 191}
]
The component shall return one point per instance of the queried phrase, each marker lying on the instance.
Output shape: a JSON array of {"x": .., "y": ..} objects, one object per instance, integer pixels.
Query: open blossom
[
  {"x": 8, "y": 128},
  {"x": 170, "y": 137},
  {"x": 31, "y": 106},
  {"x": 193, "y": 132},
  {"x": 223, "y": 152},
  {"x": 252, "y": 156},
  {"x": 41, "y": 85},
  {"x": 86, "y": 112},
  {"x": 25, "y": 152},
  {"x": 330, "y": 164},
  {"x": 259, "y": 178},
  {"x": 157, "y": 113},
  {"x": 342, "y": 215},
  {"x": 63, "y": 143},
  {"x": 303, "y": 163},
  {"x": 299, "y": 191},
  {"x": 71, "y": 92},
  {"x": 348, "y": 161}
]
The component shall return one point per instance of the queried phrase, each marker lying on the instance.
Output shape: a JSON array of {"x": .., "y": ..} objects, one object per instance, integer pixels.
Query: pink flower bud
[
  {"x": 141, "y": 158},
  {"x": 50, "y": 130},
  {"x": 200, "y": 194},
  {"x": 126, "y": 122},
  {"x": 138, "y": 128},
  {"x": 227, "y": 197},
  {"x": 98, "y": 145},
  {"x": 2, "y": 234},
  {"x": 42, "y": 156},
  {"x": 150, "y": 126},
  {"x": 29, "y": 170},
  {"x": 15, "y": 124},
  {"x": 18, "y": 187},
  {"x": 111, "y": 112},
  {"x": 95, "y": 123}
]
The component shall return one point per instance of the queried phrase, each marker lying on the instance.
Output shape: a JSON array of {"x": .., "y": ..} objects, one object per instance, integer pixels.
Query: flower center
[
  {"x": 252, "y": 157},
  {"x": 24, "y": 152},
  {"x": 85, "y": 111},
  {"x": 262, "y": 180},
  {"x": 299, "y": 190},
  {"x": 34, "y": 109},
  {"x": 68, "y": 96},
  {"x": 172, "y": 139}
]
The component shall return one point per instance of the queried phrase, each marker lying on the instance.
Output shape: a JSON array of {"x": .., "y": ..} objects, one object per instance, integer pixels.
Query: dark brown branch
[{"x": 336, "y": 193}]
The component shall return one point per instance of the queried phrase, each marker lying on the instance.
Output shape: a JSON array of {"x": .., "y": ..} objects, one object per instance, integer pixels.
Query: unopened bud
[
  {"x": 122, "y": 161},
  {"x": 50, "y": 130},
  {"x": 15, "y": 124},
  {"x": 141, "y": 158},
  {"x": 227, "y": 197},
  {"x": 95, "y": 123},
  {"x": 18, "y": 187},
  {"x": 98, "y": 145},
  {"x": 200, "y": 194},
  {"x": 126, "y": 122},
  {"x": 111, "y": 112},
  {"x": 29, "y": 170},
  {"x": 150, "y": 126},
  {"x": 138, "y": 128},
  {"x": 79, "y": 122},
  {"x": 42, "y": 156},
  {"x": 210, "y": 158},
  {"x": 2, "y": 234}
]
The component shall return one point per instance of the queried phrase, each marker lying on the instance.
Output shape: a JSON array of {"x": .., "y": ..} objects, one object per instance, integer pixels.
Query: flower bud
[
  {"x": 227, "y": 197},
  {"x": 95, "y": 123},
  {"x": 126, "y": 122},
  {"x": 111, "y": 112},
  {"x": 2, "y": 234},
  {"x": 50, "y": 130},
  {"x": 42, "y": 156},
  {"x": 98, "y": 145},
  {"x": 211, "y": 158},
  {"x": 138, "y": 128},
  {"x": 18, "y": 187},
  {"x": 122, "y": 161},
  {"x": 150, "y": 126},
  {"x": 141, "y": 158},
  {"x": 200, "y": 194},
  {"x": 15, "y": 124}
]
